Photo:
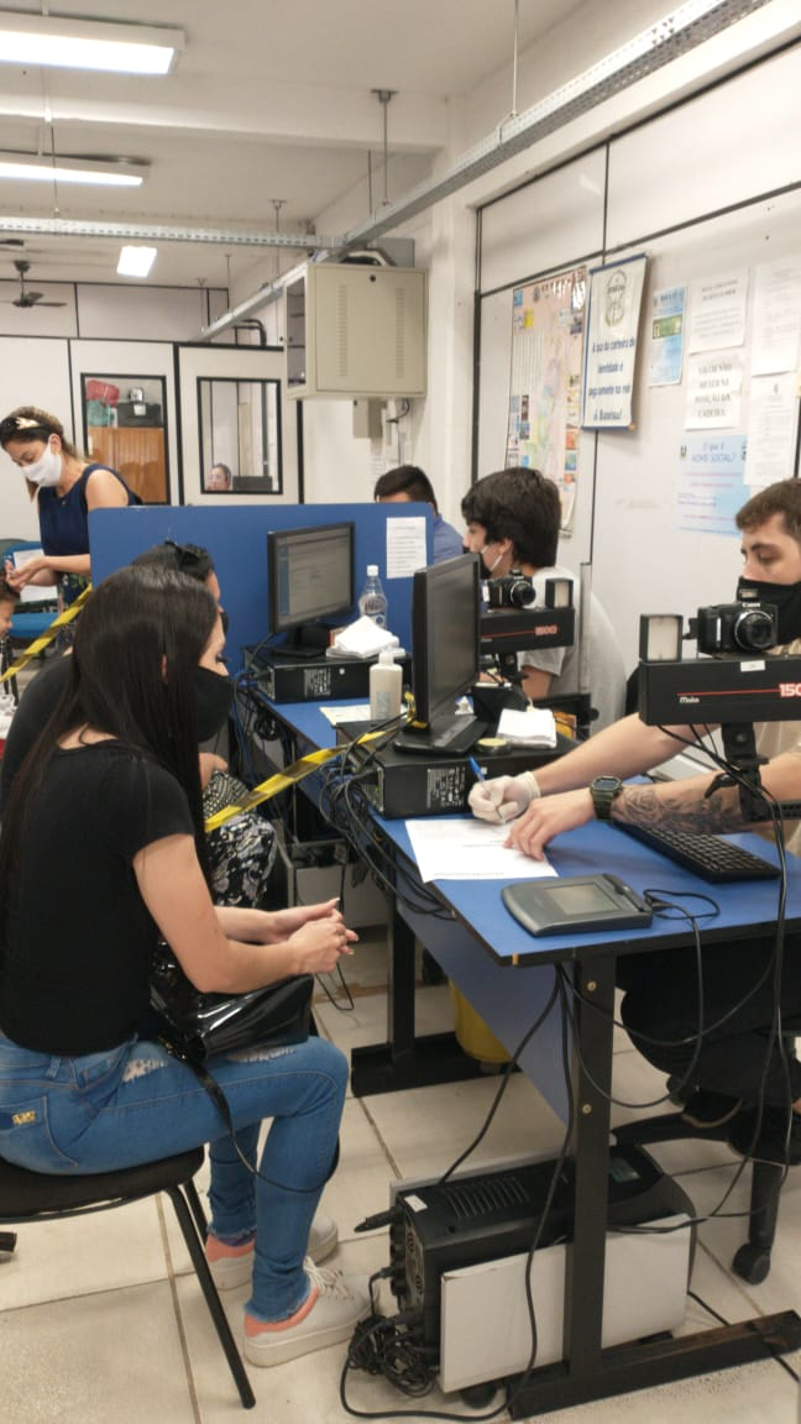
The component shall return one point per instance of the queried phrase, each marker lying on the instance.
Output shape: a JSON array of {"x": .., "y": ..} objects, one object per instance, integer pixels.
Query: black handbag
[{"x": 197, "y": 1026}]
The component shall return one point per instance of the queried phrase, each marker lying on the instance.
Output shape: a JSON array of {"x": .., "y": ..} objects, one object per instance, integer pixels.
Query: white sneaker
[
  {"x": 341, "y": 1302},
  {"x": 229, "y": 1271}
]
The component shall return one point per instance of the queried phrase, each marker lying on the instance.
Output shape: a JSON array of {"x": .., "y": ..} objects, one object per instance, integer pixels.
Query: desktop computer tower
[
  {"x": 459, "y": 1251},
  {"x": 398, "y": 784}
]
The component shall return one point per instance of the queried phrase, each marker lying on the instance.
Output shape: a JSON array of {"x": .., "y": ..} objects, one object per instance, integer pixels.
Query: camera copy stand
[{"x": 740, "y": 753}]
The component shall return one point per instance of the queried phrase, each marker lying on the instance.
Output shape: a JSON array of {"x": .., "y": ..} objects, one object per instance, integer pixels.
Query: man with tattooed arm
[{"x": 738, "y": 1064}]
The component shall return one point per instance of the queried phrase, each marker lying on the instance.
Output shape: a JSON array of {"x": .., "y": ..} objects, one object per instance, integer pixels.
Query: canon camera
[
  {"x": 514, "y": 590},
  {"x": 737, "y": 628}
]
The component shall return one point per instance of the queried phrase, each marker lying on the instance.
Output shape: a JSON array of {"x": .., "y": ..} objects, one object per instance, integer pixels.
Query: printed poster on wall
[
  {"x": 611, "y": 351},
  {"x": 710, "y": 486},
  {"x": 545, "y": 381}
]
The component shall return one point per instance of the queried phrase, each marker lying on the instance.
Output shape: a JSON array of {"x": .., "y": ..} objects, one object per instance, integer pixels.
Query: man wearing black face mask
[{"x": 662, "y": 993}]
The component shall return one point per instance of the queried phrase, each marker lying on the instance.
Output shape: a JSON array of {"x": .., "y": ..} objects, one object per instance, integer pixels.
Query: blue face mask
[
  {"x": 213, "y": 696},
  {"x": 785, "y": 596}
]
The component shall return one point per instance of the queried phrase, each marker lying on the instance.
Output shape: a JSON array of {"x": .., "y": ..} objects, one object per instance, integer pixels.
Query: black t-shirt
[
  {"x": 74, "y": 967},
  {"x": 41, "y": 696}
]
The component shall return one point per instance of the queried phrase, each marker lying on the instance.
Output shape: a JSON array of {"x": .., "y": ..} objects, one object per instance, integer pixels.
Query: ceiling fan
[{"x": 27, "y": 298}]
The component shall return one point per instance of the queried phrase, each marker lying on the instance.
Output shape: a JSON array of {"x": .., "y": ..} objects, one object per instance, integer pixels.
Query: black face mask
[
  {"x": 785, "y": 596},
  {"x": 213, "y": 696}
]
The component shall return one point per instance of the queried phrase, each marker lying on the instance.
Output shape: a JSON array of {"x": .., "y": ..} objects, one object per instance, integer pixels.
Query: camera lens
[
  {"x": 521, "y": 594},
  {"x": 754, "y": 630}
]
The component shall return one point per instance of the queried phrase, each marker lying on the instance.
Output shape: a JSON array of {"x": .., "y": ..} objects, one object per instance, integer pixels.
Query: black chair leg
[
  {"x": 187, "y": 1222},
  {"x": 752, "y": 1261},
  {"x": 197, "y": 1209}
]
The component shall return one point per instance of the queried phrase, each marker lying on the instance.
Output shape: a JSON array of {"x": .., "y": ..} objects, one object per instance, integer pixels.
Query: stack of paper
[
  {"x": 362, "y": 639},
  {"x": 533, "y": 728}
]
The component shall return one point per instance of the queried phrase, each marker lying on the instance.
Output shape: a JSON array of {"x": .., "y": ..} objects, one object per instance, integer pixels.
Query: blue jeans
[{"x": 136, "y": 1103}]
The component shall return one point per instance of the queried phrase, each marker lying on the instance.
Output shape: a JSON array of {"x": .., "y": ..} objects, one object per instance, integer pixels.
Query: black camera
[
  {"x": 737, "y": 628},
  {"x": 512, "y": 591}
]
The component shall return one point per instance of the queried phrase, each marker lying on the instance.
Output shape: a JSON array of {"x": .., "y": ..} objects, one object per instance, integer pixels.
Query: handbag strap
[{"x": 215, "y": 1092}]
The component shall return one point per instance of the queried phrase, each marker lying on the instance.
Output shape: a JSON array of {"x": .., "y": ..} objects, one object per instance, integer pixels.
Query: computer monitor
[
  {"x": 445, "y": 656},
  {"x": 310, "y": 579}
]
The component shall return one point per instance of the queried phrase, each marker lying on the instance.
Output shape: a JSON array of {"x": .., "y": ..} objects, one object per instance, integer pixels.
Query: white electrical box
[{"x": 356, "y": 331}]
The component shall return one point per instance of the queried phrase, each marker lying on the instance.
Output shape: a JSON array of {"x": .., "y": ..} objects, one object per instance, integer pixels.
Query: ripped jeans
[{"x": 136, "y": 1103}]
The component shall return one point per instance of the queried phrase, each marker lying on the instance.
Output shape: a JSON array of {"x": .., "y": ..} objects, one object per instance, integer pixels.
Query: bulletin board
[{"x": 653, "y": 519}]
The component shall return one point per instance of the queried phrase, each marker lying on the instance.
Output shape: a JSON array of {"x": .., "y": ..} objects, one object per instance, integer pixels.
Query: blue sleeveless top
[
  {"x": 63, "y": 519},
  {"x": 64, "y": 525}
]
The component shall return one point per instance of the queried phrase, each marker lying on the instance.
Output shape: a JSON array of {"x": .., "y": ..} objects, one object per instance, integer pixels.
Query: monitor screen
[
  {"x": 445, "y": 628},
  {"x": 310, "y": 575}
]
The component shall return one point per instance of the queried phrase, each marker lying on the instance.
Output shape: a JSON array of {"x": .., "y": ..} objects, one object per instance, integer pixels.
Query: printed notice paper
[
  {"x": 710, "y": 486},
  {"x": 406, "y": 546},
  {"x": 717, "y": 312},
  {"x": 667, "y": 336}
]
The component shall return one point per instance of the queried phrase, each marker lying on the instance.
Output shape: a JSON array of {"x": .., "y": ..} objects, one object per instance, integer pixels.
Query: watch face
[{"x": 606, "y": 783}]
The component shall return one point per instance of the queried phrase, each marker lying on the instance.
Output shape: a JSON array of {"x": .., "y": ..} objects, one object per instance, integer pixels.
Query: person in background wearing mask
[
  {"x": 513, "y": 520},
  {"x": 740, "y": 1075},
  {"x": 66, "y": 486},
  {"x": 407, "y": 485}
]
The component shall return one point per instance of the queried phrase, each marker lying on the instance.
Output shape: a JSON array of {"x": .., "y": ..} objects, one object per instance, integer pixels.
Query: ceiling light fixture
[
  {"x": 104, "y": 172},
  {"x": 136, "y": 261},
  {"x": 107, "y": 45}
]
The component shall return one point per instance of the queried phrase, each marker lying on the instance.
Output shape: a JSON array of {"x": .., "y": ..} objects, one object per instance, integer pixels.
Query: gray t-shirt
[{"x": 607, "y": 675}]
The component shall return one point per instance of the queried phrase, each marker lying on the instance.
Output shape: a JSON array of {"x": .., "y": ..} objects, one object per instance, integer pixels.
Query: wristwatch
[{"x": 604, "y": 790}]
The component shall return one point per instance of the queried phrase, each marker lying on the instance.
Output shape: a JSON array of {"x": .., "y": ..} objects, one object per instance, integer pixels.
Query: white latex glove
[{"x": 503, "y": 798}]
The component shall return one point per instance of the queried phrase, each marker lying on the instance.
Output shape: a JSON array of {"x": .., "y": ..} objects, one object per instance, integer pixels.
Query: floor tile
[
  {"x": 99, "y": 1356},
  {"x": 84, "y": 1254}
]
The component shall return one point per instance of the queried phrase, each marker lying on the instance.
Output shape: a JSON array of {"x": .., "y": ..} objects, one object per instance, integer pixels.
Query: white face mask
[
  {"x": 491, "y": 571},
  {"x": 46, "y": 471}
]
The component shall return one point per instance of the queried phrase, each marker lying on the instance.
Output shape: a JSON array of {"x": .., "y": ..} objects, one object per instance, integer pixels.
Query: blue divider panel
[{"x": 236, "y": 537}]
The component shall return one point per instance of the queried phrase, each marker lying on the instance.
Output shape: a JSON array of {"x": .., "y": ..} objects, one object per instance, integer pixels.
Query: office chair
[
  {"x": 31, "y": 619},
  {"x": 751, "y": 1260},
  {"x": 38, "y": 1196}
]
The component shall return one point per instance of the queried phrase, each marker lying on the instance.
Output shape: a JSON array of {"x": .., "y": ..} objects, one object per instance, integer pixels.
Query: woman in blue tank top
[{"x": 66, "y": 486}]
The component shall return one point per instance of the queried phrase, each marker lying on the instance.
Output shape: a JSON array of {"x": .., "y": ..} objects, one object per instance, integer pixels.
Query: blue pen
[{"x": 476, "y": 769}]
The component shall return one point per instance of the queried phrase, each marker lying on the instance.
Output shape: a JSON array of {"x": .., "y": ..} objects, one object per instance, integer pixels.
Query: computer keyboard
[{"x": 709, "y": 857}]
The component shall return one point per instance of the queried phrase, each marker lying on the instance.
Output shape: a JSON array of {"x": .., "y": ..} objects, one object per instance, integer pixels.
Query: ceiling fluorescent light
[
  {"x": 88, "y": 44},
  {"x": 136, "y": 261},
  {"x": 109, "y": 173}
]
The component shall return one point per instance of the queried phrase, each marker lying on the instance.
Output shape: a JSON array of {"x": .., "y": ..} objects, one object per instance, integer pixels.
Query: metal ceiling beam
[
  {"x": 691, "y": 24},
  {"x": 162, "y": 232}
]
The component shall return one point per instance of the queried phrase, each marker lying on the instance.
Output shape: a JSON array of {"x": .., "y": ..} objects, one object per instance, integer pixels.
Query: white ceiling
[{"x": 271, "y": 99}]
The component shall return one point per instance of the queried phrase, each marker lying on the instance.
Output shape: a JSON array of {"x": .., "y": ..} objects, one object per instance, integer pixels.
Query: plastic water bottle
[{"x": 372, "y": 599}]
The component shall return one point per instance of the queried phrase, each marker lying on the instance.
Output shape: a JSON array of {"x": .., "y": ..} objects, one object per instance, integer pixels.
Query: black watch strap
[{"x": 604, "y": 790}]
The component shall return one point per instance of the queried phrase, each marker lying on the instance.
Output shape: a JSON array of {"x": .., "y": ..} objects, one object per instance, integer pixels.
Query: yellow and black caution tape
[
  {"x": 39, "y": 644},
  {"x": 282, "y": 780}
]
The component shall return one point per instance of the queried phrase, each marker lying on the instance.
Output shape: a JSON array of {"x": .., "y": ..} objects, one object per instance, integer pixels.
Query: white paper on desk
[
  {"x": 358, "y": 712},
  {"x": 469, "y": 850}
]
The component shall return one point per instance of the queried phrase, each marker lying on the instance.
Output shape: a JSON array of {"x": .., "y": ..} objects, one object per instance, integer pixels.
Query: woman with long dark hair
[{"x": 102, "y": 852}]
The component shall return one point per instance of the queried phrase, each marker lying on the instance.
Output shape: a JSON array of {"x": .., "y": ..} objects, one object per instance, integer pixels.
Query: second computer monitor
[
  {"x": 310, "y": 576},
  {"x": 445, "y": 656}
]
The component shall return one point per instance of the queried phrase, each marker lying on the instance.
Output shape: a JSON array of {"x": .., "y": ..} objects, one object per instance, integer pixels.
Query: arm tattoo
[{"x": 690, "y": 811}]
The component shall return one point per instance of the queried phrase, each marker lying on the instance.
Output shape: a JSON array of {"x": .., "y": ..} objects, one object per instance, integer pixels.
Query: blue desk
[{"x": 508, "y": 975}]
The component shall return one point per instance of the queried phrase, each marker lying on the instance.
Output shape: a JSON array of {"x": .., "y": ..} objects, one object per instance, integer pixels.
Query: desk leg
[
  {"x": 406, "y": 1061},
  {"x": 588, "y": 1372}
]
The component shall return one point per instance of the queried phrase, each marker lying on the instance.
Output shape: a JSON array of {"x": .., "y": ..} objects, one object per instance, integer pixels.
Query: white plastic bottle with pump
[
  {"x": 386, "y": 678},
  {"x": 372, "y": 599}
]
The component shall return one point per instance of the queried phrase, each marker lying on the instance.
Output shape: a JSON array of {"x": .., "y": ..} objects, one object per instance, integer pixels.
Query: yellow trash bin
[{"x": 472, "y": 1033}]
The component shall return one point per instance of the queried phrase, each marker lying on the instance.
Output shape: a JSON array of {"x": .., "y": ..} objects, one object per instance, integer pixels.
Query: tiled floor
[{"x": 102, "y": 1319}]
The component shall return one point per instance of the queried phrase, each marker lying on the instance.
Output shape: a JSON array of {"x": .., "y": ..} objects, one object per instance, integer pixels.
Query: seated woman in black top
[{"x": 102, "y": 851}]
